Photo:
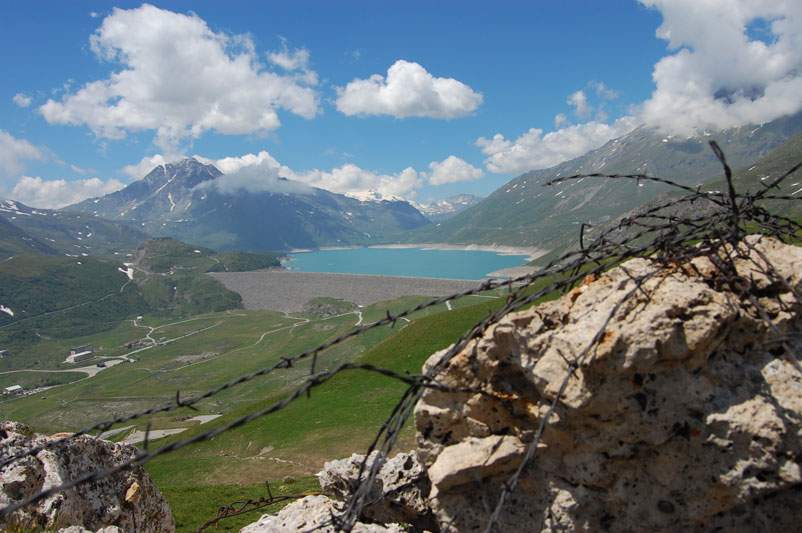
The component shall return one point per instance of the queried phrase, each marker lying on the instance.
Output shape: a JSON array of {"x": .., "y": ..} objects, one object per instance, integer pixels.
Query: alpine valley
[{"x": 126, "y": 279}]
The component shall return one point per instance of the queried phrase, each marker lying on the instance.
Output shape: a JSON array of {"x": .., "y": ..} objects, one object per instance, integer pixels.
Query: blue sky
[{"x": 421, "y": 100}]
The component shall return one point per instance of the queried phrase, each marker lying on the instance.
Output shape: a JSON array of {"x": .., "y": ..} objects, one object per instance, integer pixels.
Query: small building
[
  {"x": 4, "y": 353},
  {"x": 13, "y": 390},
  {"x": 82, "y": 349},
  {"x": 81, "y": 353}
]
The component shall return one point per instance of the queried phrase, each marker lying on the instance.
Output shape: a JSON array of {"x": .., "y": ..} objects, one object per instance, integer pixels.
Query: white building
[
  {"x": 81, "y": 353},
  {"x": 13, "y": 390}
]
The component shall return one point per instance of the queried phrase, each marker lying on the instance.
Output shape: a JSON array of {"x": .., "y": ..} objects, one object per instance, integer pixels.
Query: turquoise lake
[{"x": 411, "y": 262}]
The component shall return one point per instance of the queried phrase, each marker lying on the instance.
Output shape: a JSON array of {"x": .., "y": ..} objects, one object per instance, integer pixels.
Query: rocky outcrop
[
  {"x": 669, "y": 397},
  {"x": 398, "y": 493},
  {"x": 680, "y": 405},
  {"x": 127, "y": 501}
]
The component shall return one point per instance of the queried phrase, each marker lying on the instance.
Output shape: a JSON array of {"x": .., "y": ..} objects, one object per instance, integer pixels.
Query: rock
[
  {"x": 399, "y": 491},
  {"x": 684, "y": 411},
  {"x": 312, "y": 513},
  {"x": 473, "y": 459},
  {"x": 127, "y": 501}
]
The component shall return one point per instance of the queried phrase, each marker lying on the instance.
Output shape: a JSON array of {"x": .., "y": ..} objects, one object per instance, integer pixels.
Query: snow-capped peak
[{"x": 374, "y": 196}]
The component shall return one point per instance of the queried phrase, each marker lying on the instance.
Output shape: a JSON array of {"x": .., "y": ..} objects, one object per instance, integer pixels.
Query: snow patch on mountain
[{"x": 447, "y": 207}]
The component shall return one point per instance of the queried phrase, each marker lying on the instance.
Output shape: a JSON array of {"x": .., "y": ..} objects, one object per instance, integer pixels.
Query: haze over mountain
[
  {"x": 524, "y": 213},
  {"x": 196, "y": 203}
]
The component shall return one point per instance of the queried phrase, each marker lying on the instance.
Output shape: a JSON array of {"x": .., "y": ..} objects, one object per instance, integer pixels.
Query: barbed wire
[{"x": 671, "y": 238}]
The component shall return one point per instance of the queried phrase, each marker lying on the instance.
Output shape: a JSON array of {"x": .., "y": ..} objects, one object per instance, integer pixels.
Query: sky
[{"x": 415, "y": 99}]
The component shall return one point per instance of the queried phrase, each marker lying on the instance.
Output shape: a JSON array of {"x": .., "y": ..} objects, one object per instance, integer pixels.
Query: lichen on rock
[{"x": 127, "y": 501}]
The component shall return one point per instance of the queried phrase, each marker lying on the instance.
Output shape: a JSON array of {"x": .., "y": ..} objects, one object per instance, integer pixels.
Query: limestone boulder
[
  {"x": 128, "y": 500},
  {"x": 677, "y": 399},
  {"x": 312, "y": 513},
  {"x": 399, "y": 492}
]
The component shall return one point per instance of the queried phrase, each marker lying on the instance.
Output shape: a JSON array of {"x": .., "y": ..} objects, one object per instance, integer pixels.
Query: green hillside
[
  {"x": 54, "y": 297},
  {"x": 51, "y": 299},
  {"x": 16, "y": 241},
  {"x": 166, "y": 255}
]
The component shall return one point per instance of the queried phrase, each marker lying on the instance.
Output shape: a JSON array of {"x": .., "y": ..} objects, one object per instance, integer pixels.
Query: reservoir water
[{"x": 410, "y": 262}]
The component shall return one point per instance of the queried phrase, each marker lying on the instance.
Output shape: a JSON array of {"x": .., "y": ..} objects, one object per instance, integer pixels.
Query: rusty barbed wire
[{"x": 654, "y": 232}]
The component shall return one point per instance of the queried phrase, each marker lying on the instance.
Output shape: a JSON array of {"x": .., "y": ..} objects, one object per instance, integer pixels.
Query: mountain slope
[
  {"x": 184, "y": 200},
  {"x": 59, "y": 232},
  {"x": 15, "y": 241},
  {"x": 524, "y": 213}
]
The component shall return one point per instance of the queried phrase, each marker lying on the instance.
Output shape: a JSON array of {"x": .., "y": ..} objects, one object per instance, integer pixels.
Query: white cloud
[
  {"x": 452, "y": 170},
  {"x": 52, "y": 194},
  {"x": 139, "y": 170},
  {"x": 407, "y": 91},
  {"x": 580, "y": 103},
  {"x": 14, "y": 151},
  {"x": 350, "y": 179},
  {"x": 603, "y": 91},
  {"x": 533, "y": 149},
  {"x": 230, "y": 165},
  {"x": 22, "y": 100},
  {"x": 294, "y": 60},
  {"x": 180, "y": 79},
  {"x": 79, "y": 170},
  {"x": 256, "y": 178},
  {"x": 719, "y": 77}
]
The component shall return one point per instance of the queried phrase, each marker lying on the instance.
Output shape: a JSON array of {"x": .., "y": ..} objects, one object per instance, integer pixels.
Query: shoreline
[{"x": 531, "y": 252}]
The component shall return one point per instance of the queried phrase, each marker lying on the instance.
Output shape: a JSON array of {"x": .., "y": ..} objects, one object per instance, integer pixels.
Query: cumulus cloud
[
  {"x": 407, "y": 91},
  {"x": 579, "y": 101},
  {"x": 52, "y": 194},
  {"x": 179, "y": 79},
  {"x": 14, "y": 151},
  {"x": 295, "y": 60},
  {"x": 22, "y": 100},
  {"x": 137, "y": 171},
  {"x": 350, "y": 179},
  {"x": 452, "y": 170},
  {"x": 230, "y": 165},
  {"x": 256, "y": 178},
  {"x": 533, "y": 149},
  {"x": 723, "y": 74}
]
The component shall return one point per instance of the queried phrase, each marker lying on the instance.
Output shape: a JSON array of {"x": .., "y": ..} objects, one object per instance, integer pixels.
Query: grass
[
  {"x": 192, "y": 506},
  {"x": 32, "y": 380},
  {"x": 340, "y": 418}
]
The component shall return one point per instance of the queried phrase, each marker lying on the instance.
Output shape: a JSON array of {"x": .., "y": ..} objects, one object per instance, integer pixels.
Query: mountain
[
  {"x": 44, "y": 231},
  {"x": 524, "y": 213},
  {"x": 447, "y": 207},
  {"x": 192, "y": 202}
]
